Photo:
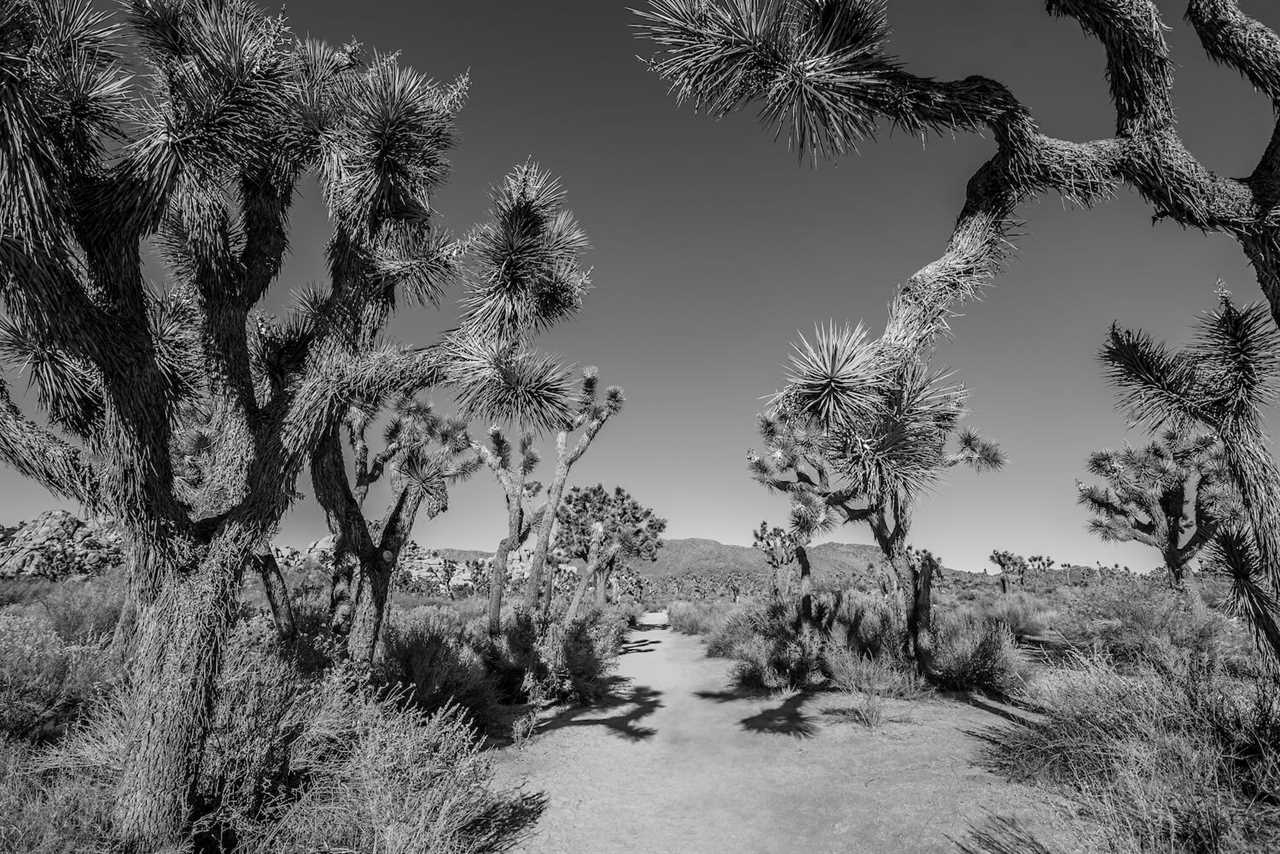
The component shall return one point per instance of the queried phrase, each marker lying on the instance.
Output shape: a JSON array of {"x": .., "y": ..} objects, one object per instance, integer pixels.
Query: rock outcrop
[{"x": 58, "y": 544}]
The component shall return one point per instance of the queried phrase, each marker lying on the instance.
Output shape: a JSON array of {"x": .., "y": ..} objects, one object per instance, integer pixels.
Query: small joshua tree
[
  {"x": 421, "y": 455},
  {"x": 779, "y": 549},
  {"x": 859, "y": 435},
  {"x": 1221, "y": 384},
  {"x": 1174, "y": 495},
  {"x": 606, "y": 530}
]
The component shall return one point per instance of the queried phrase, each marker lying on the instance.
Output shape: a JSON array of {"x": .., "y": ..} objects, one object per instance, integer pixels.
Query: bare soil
[{"x": 676, "y": 760}]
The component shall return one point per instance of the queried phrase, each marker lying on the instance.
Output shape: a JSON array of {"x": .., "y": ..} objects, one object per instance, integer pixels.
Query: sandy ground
[{"x": 676, "y": 761}]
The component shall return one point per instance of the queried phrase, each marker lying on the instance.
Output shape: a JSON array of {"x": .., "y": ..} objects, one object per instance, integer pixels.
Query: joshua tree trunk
[
  {"x": 276, "y": 591},
  {"x": 920, "y": 615},
  {"x": 498, "y": 581},
  {"x": 364, "y": 643},
  {"x": 181, "y": 635},
  {"x": 806, "y": 588},
  {"x": 579, "y": 593},
  {"x": 537, "y": 565},
  {"x": 602, "y": 584}
]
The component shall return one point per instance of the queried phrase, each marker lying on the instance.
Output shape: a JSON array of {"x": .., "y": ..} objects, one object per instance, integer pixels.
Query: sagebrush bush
[
  {"x": 294, "y": 764},
  {"x": 973, "y": 654},
  {"x": 80, "y": 610},
  {"x": 430, "y": 652},
  {"x": 1185, "y": 761},
  {"x": 1141, "y": 622},
  {"x": 869, "y": 624},
  {"x": 697, "y": 618},
  {"x": 1025, "y": 614},
  {"x": 780, "y": 653},
  {"x": 733, "y": 630},
  {"x": 882, "y": 677},
  {"x": 45, "y": 680}
]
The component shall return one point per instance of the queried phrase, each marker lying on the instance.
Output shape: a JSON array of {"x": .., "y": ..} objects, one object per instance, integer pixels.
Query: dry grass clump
[
  {"x": 45, "y": 679},
  {"x": 698, "y": 618},
  {"x": 1182, "y": 761},
  {"x": 972, "y": 654},
  {"x": 293, "y": 764},
  {"x": 855, "y": 672},
  {"x": 1135, "y": 625}
]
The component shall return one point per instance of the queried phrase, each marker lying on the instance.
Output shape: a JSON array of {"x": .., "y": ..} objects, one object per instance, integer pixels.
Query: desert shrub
[
  {"x": 779, "y": 653},
  {"x": 867, "y": 624},
  {"x": 429, "y": 653},
  {"x": 734, "y": 629},
  {"x": 80, "y": 610},
  {"x": 294, "y": 764},
  {"x": 881, "y": 677},
  {"x": 1142, "y": 623},
  {"x": 45, "y": 680},
  {"x": 382, "y": 777},
  {"x": 574, "y": 660},
  {"x": 697, "y": 618},
  {"x": 1185, "y": 761},
  {"x": 1023, "y": 613},
  {"x": 972, "y": 654}
]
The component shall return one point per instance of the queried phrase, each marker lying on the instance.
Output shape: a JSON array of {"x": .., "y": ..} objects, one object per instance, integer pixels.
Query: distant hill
[{"x": 711, "y": 557}]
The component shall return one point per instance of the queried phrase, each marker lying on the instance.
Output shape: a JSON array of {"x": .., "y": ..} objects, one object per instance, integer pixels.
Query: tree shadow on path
[
  {"x": 638, "y": 645},
  {"x": 633, "y": 702},
  {"x": 784, "y": 719}
]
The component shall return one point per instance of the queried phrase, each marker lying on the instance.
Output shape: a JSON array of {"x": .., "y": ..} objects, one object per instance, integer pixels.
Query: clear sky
[{"x": 713, "y": 246}]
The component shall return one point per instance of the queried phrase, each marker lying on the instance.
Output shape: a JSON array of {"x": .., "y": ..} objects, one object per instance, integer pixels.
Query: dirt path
[{"x": 677, "y": 762}]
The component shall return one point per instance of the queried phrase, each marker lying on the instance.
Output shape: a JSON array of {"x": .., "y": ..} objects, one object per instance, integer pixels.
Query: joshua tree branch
[{"x": 40, "y": 455}]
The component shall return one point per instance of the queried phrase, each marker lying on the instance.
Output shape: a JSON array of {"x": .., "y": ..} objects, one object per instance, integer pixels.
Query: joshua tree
[
  {"x": 1043, "y": 563},
  {"x": 1009, "y": 563},
  {"x": 421, "y": 455},
  {"x": 572, "y": 441},
  {"x": 520, "y": 493},
  {"x": 779, "y": 549},
  {"x": 859, "y": 435},
  {"x": 606, "y": 530},
  {"x": 198, "y": 156},
  {"x": 1174, "y": 495},
  {"x": 522, "y": 275},
  {"x": 1220, "y": 384},
  {"x": 821, "y": 76}
]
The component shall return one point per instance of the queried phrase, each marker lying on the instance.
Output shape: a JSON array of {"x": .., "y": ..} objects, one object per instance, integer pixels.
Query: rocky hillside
[{"x": 57, "y": 544}]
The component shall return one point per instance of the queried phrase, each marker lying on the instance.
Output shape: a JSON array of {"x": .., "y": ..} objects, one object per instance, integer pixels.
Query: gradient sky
[{"x": 713, "y": 246}]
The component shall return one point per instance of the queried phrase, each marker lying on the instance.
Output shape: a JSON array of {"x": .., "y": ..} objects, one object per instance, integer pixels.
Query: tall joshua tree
[
  {"x": 1220, "y": 384},
  {"x": 521, "y": 275},
  {"x": 821, "y": 76},
  {"x": 606, "y": 530},
  {"x": 199, "y": 157},
  {"x": 859, "y": 435},
  {"x": 779, "y": 549},
  {"x": 572, "y": 441},
  {"x": 1174, "y": 495}
]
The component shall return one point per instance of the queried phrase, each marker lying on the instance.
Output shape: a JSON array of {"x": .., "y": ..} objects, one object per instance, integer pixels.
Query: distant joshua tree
[
  {"x": 1174, "y": 494},
  {"x": 779, "y": 549},
  {"x": 1009, "y": 564},
  {"x": 606, "y": 530},
  {"x": 1220, "y": 384}
]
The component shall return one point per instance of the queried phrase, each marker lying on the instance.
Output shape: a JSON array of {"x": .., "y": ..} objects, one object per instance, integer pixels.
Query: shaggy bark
[{"x": 806, "y": 587}]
